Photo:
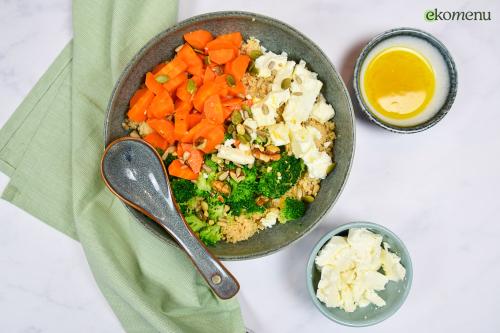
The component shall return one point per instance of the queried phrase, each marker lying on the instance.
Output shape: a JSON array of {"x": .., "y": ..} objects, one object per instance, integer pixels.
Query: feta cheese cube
[
  {"x": 280, "y": 134},
  {"x": 284, "y": 73},
  {"x": 301, "y": 141},
  {"x": 317, "y": 163},
  {"x": 270, "y": 61},
  {"x": 322, "y": 111}
]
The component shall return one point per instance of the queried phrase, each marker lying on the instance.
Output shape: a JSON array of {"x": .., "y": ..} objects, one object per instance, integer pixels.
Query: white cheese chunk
[
  {"x": 282, "y": 74},
  {"x": 301, "y": 140},
  {"x": 279, "y": 134},
  {"x": 347, "y": 281},
  {"x": 265, "y": 113},
  {"x": 317, "y": 163},
  {"x": 270, "y": 219},
  {"x": 239, "y": 156},
  {"x": 322, "y": 111},
  {"x": 270, "y": 61},
  {"x": 391, "y": 265}
]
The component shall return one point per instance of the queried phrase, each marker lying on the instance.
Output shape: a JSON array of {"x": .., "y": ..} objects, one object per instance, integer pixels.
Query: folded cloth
[{"x": 51, "y": 148}]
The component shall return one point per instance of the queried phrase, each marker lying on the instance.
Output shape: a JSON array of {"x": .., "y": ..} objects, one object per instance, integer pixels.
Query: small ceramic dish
[
  {"x": 441, "y": 51},
  {"x": 395, "y": 293}
]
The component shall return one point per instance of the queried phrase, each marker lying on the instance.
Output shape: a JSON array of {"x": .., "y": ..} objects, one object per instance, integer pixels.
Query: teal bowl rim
[
  {"x": 452, "y": 71},
  {"x": 311, "y": 266}
]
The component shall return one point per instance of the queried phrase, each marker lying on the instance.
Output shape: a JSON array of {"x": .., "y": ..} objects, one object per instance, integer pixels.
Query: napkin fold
[{"x": 51, "y": 148}]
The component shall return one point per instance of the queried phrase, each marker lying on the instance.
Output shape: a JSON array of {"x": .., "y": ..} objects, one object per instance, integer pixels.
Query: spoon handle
[{"x": 222, "y": 282}]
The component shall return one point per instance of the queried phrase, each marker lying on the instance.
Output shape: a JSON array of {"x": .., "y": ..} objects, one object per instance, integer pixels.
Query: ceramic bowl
[
  {"x": 277, "y": 37},
  {"x": 394, "y": 294},
  {"x": 452, "y": 72}
]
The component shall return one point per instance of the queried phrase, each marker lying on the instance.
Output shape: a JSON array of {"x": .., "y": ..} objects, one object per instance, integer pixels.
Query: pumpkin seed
[
  {"x": 297, "y": 93},
  {"x": 330, "y": 168},
  {"x": 242, "y": 138},
  {"x": 308, "y": 198},
  {"x": 236, "y": 118},
  {"x": 230, "y": 128},
  {"x": 162, "y": 78},
  {"x": 265, "y": 109},
  {"x": 254, "y": 54},
  {"x": 271, "y": 64},
  {"x": 240, "y": 129},
  {"x": 206, "y": 60},
  {"x": 286, "y": 83},
  {"x": 230, "y": 80},
  {"x": 191, "y": 86},
  {"x": 252, "y": 69},
  {"x": 198, "y": 51},
  {"x": 298, "y": 79}
]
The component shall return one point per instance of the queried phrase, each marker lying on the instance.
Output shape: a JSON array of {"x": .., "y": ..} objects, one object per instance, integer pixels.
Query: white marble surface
[{"x": 439, "y": 190}]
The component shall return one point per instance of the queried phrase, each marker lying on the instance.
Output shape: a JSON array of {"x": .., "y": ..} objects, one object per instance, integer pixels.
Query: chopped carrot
[
  {"x": 221, "y": 56},
  {"x": 219, "y": 44},
  {"x": 156, "y": 140},
  {"x": 163, "y": 127},
  {"x": 182, "y": 91},
  {"x": 238, "y": 89},
  {"x": 207, "y": 89},
  {"x": 198, "y": 39},
  {"x": 187, "y": 54},
  {"x": 234, "y": 38},
  {"x": 152, "y": 84},
  {"x": 173, "y": 68},
  {"x": 227, "y": 112},
  {"x": 233, "y": 103},
  {"x": 197, "y": 70},
  {"x": 137, "y": 95},
  {"x": 182, "y": 147},
  {"x": 180, "y": 124},
  {"x": 209, "y": 75},
  {"x": 213, "y": 109},
  {"x": 172, "y": 84},
  {"x": 193, "y": 119},
  {"x": 213, "y": 138},
  {"x": 199, "y": 130},
  {"x": 161, "y": 106},
  {"x": 181, "y": 170},
  {"x": 181, "y": 106},
  {"x": 195, "y": 160},
  {"x": 221, "y": 82},
  {"x": 137, "y": 113},
  {"x": 198, "y": 79},
  {"x": 238, "y": 66}
]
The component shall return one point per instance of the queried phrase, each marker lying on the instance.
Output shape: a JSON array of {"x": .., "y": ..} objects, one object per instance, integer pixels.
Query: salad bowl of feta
[{"x": 253, "y": 123}]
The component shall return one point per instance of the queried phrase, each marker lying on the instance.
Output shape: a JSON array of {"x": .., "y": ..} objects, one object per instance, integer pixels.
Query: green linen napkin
[{"x": 51, "y": 148}]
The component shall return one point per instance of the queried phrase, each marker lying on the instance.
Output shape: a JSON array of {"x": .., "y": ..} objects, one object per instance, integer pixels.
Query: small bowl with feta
[{"x": 359, "y": 274}]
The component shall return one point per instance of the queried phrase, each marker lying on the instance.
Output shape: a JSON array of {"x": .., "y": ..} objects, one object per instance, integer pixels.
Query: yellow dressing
[{"x": 399, "y": 83}]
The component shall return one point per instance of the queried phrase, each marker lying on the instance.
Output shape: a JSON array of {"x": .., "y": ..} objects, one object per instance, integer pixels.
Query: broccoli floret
[
  {"x": 279, "y": 176},
  {"x": 215, "y": 208},
  {"x": 243, "y": 194},
  {"x": 183, "y": 189},
  {"x": 209, "y": 163},
  {"x": 210, "y": 235},
  {"x": 205, "y": 179},
  {"x": 188, "y": 207},
  {"x": 292, "y": 210},
  {"x": 195, "y": 223}
]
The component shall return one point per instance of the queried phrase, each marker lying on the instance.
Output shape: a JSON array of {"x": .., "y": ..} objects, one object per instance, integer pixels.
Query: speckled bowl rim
[
  {"x": 298, "y": 34},
  {"x": 452, "y": 71},
  {"x": 319, "y": 245}
]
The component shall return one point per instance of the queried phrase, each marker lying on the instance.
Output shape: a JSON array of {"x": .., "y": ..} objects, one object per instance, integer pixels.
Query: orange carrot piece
[
  {"x": 219, "y": 44},
  {"x": 190, "y": 57},
  {"x": 239, "y": 66},
  {"x": 213, "y": 109},
  {"x": 156, "y": 140},
  {"x": 152, "y": 84},
  {"x": 173, "y": 68},
  {"x": 137, "y": 113},
  {"x": 221, "y": 56},
  {"x": 238, "y": 89},
  {"x": 233, "y": 103},
  {"x": 199, "y": 130},
  {"x": 207, "y": 89},
  {"x": 172, "y": 84},
  {"x": 197, "y": 70},
  {"x": 181, "y": 170},
  {"x": 195, "y": 160},
  {"x": 182, "y": 92},
  {"x": 234, "y": 38},
  {"x": 193, "y": 119},
  {"x": 161, "y": 106},
  {"x": 137, "y": 95},
  {"x": 213, "y": 138},
  {"x": 183, "y": 147},
  {"x": 227, "y": 112},
  {"x": 209, "y": 75},
  {"x": 181, "y": 124},
  {"x": 181, "y": 106},
  {"x": 163, "y": 127},
  {"x": 198, "y": 79},
  {"x": 198, "y": 39}
]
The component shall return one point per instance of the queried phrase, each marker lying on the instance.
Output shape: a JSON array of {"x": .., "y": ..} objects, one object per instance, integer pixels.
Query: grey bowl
[
  {"x": 275, "y": 36},
  {"x": 394, "y": 294},
  {"x": 452, "y": 71}
]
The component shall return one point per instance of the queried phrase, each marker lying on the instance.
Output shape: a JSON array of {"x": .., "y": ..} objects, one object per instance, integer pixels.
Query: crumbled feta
[
  {"x": 279, "y": 134},
  {"x": 265, "y": 113},
  {"x": 270, "y": 219},
  {"x": 302, "y": 140},
  {"x": 317, "y": 163},
  {"x": 322, "y": 111},
  {"x": 270, "y": 61},
  {"x": 236, "y": 155},
  {"x": 350, "y": 273},
  {"x": 284, "y": 73},
  {"x": 250, "y": 123}
]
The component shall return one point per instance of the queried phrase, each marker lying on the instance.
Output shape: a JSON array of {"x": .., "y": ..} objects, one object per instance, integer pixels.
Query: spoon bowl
[{"x": 133, "y": 171}]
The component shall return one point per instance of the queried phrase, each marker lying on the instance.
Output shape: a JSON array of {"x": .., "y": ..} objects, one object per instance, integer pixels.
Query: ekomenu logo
[{"x": 433, "y": 15}]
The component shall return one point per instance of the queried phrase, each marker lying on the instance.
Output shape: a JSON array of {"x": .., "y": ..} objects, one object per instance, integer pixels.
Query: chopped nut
[
  {"x": 204, "y": 205},
  {"x": 221, "y": 187},
  {"x": 238, "y": 172},
  {"x": 260, "y": 201},
  {"x": 272, "y": 149},
  {"x": 233, "y": 175},
  {"x": 186, "y": 155},
  {"x": 206, "y": 168},
  {"x": 200, "y": 143},
  {"x": 134, "y": 134},
  {"x": 223, "y": 175}
]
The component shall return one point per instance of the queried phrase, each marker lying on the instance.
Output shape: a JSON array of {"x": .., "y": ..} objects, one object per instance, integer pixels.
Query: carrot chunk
[
  {"x": 156, "y": 140},
  {"x": 173, "y": 68},
  {"x": 137, "y": 113},
  {"x": 152, "y": 84},
  {"x": 198, "y": 39},
  {"x": 238, "y": 66},
  {"x": 221, "y": 56},
  {"x": 163, "y": 127},
  {"x": 161, "y": 106},
  {"x": 137, "y": 95},
  {"x": 172, "y": 84},
  {"x": 234, "y": 38},
  {"x": 181, "y": 170},
  {"x": 213, "y": 109},
  {"x": 207, "y": 89}
]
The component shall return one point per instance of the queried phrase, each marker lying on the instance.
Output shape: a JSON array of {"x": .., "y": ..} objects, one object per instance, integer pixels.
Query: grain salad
[{"x": 245, "y": 134}]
